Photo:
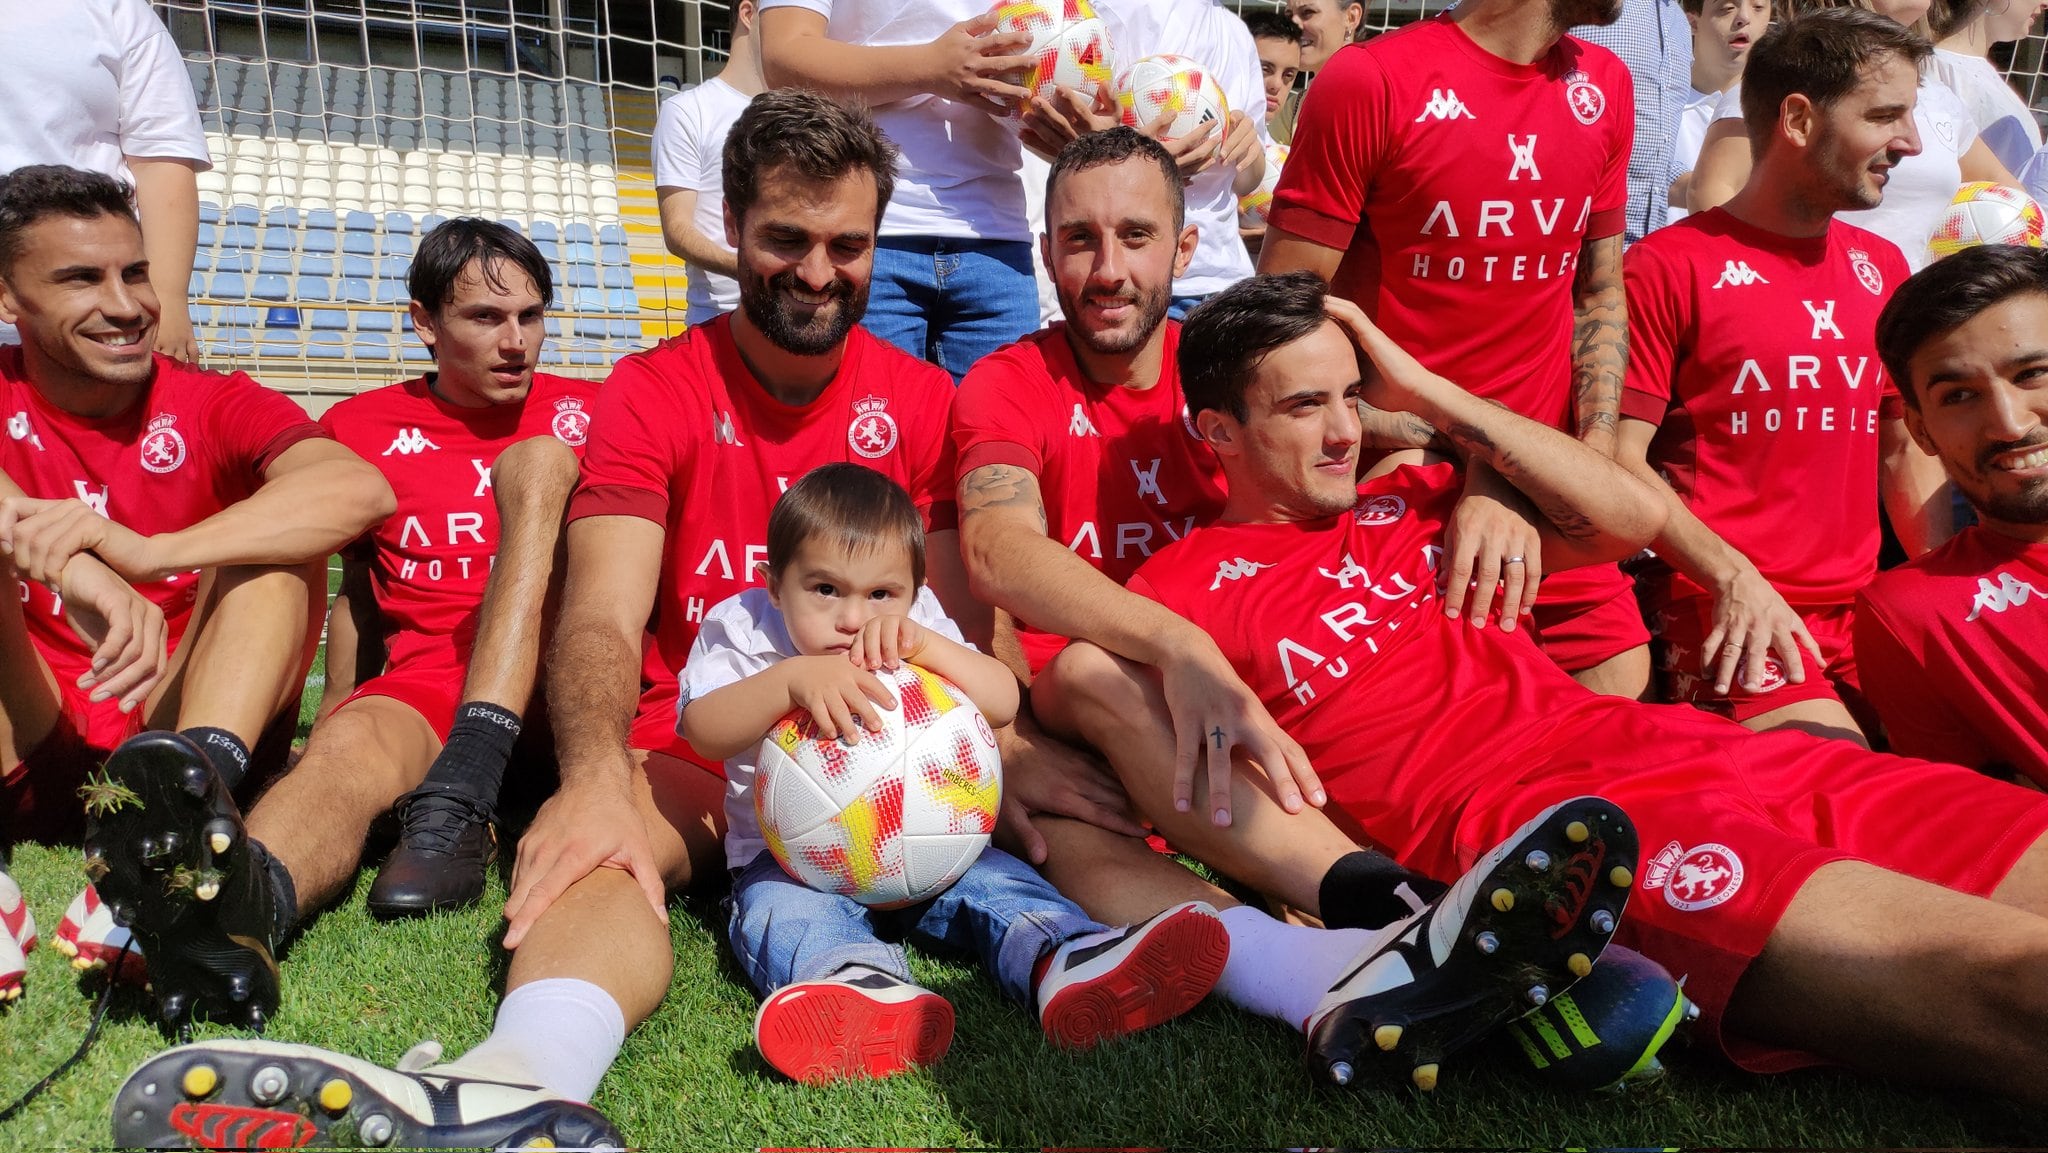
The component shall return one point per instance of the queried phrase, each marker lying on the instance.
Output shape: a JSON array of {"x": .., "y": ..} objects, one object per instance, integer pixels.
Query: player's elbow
[
  {"x": 367, "y": 496},
  {"x": 1640, "y": 516}
]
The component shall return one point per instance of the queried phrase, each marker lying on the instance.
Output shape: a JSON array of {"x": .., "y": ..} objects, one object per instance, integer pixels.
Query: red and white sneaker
[
  {"x": 14, "y": 914},
  {"x": 89, "y": 936},
  {"x": 859, "y": 1022},
  {"x": 1104, "y": 985},
  {"x": 13, "y": 967}
]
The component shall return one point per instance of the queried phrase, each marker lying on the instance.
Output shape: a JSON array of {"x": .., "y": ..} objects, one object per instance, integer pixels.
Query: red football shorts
[
  {"x": 39, "y": 797},
  {"x": 1682, "y": 621},
  {"x": 1585, "y": 616},
  {"x": 428, "y": 679},
  {"x": 1733, "y": 823}
]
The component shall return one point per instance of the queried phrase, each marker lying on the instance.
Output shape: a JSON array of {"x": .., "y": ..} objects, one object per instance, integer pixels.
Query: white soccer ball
[
  {"x": 894, "y": 819},
  {"x": 1156, "y": 85},
  {"x": 1253, "y": 207},
  {"x": 1987, "y": 213},
  {"x": 1069, "y": 46}
]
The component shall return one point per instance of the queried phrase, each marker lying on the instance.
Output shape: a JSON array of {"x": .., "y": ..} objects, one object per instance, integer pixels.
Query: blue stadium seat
[
  {"x": 431, "y": 221},
  {"x": 376, "y": 320},
  {"x": 209, "y": 236},
  {"x": 312, "y": 288},
  {"x": 277, "y": 239},
  {"x": 241, "y": 316},
  {"x": 514, "y": 225},
  {"x": 271, "y": 288},
  {"x": 371, "y": 346},
  {"x": 617, "y": 276},
  {"x": 281, "y": 216},
  {"x": 327, "y": 320},
  {"x": 359, "y": 243},
  {"x": 554, "y": 327},
  {"x": 275, "y": 263},
  {"x": 592, "y": 327},
  {"x": 358, "y": 267},
  {"x": 317, "y": 240},
  {"x": 545, "y": 230},
  {"x": 359, "y": 222},
  {"x": 612, "y": 254},
  {"x": 231, "y": 342},
  {"x": 587, "y": 300},
  {"x": 581, "y": 252},
  {"x": 242, "y": 214},
  {"x": 392, "y": 292},
  {"x": 318, "y": 218},
  {"x": 612, "y": 234},
  {"x": 209, "y": 212},
  {"x": 579, "y": 233},
  {"x": 549, "y": 251},
  {"x": 621, "y": 300},
  {"x": 327, "y": 346},
  {"x": 228, "y": 286},
  {"x": 356, "y": 290},
  {"x": 279, "y": 342},
  {"x": 397, "y": 244},
  {"x": 393, "y": 267},
  {"x": 580, "y": 276},
  {"x": 195, "y": 287},
  {"x": 622, "y": 329},
  {"x": 316, "y": 266},
  {"x": 397, "y": 224},
  {"x": 241, "y": 236},
  {"x": 202, "y": 260},
  {"x": 414, "y": 350},
  {"x": 234, "y": 260},
  {"x": 281, "y": 316}
]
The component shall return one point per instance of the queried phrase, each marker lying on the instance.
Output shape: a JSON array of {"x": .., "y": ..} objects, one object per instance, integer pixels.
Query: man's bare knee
[{"x": 1086, "y": 687}]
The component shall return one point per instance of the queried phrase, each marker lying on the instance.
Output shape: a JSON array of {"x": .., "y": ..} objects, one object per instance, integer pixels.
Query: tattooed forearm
[
  {"x": 1599, "y": 342},
  {"x": 1390, "y": 431},
  {"x": 1001, "y": 486}
]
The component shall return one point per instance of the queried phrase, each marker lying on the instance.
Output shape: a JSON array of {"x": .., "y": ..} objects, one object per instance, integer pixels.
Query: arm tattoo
[
  {"x": 1001, "y": 486},
  {"x": 1599, "y": 338},
  {"x": 1390, "y": 431}
]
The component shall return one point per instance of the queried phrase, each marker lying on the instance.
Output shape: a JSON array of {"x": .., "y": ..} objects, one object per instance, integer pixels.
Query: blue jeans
[
  {"x": 952, "y": 301},
  {"x": 784, "y": 931},
  {"x": 1182, "y": 305}
]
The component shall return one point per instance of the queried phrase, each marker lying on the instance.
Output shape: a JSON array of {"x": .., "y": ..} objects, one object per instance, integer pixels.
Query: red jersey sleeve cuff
[
  {"x": 1891, "y": 406},
  {"x": 275, "y": 447},
  {"x": 1645, "y": 406},
  {"x": 619, "y": 500},
  {"x": 984, "y": 453},
  {"x": 1328, "y": 231},
  {"x": 1607, "y": 222}
]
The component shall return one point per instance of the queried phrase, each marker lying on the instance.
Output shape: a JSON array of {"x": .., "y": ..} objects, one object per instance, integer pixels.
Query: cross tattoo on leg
[{"x": 1216, "y": 734}]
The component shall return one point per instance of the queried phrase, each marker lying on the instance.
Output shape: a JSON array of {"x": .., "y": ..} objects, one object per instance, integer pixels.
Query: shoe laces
[{"x": 434, "y": 820}]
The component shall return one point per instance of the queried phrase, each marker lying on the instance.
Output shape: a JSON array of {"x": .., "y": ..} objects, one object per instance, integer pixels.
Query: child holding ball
[{"x": 843, "y": 595}]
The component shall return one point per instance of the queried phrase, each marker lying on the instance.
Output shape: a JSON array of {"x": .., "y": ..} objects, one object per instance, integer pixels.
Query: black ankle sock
[
  {"x": 284, "y": 894},
  {"x": 228, "y": 755},
  {"x": 1366, "y": 890},
  {"x": 479, "y": 746}
]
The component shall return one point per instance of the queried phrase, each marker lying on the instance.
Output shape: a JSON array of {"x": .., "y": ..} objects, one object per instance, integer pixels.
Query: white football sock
[
  {"x": 1280, "y": 970},
  {"x": 560, "y": 1034}
]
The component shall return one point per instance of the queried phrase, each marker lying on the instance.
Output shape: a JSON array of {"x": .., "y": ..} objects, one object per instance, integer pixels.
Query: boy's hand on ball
[
  {"x": 886, "y": 642},
  {"x": 840, "y": 697}
]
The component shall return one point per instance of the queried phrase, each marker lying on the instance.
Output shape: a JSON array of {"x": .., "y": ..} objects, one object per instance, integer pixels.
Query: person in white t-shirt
[
  {"x": 1965, "y": 32},
  {"x": 99, "y": 85},
  {"x": 689, "y": 149},
  {"x": 953, "y": 279},
  {"x": 1220, "y": 166},
  {"x": 1722, "y": 31},
  {"x": 1917, "y": 190}
]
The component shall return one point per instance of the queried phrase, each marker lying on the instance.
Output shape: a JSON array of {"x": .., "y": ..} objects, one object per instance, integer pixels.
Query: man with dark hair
[
  {"x": 168, "y": 528},
  {"x": 1815, "y": 895},
  {"x": 1464, "y": 180},
  {"x": 1954, "y": 644},
  {"x": 1278, "y": 39},
  {"x": 1771, "y": 437}
]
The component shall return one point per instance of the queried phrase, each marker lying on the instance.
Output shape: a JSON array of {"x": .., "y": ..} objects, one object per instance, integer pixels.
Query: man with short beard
[
  {"x": 1954, "y": 645},
  {"x": 1464, "y": 180}
]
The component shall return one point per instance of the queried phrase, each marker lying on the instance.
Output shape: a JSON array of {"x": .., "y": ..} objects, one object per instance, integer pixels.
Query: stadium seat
[
  {"x": 279, "y": 343},
  {"x": 282, "y": 215},
  {"x": 241, "y": 236},
  {"x": 327, "y": 320},
  {"x": 612, "y": 254},
  {"x": 327, "y": 346},
  {"x": 242, "y": 316},
  {"x": 549, "y": 250},
  {"x": 317, "y": 241},
  {"x": 236, "y": 260},
  {"x": 544, "y": 231},
  {"x": 370, "y": 346},
  {"x": 274, "y": 263},
  {"x": 359, "y": 221},
  {"x": 591, "y": 327},
  {"x": 431, "y": 221},
  {"x": 612, "y": 234},
  {"x": 195, "y": 288},
  {"x": 281, "y": 316},
  {"x": 316, "y": 266},
  {"x": 579, "y": 276},
  {"x": 321, "y": 218},
  {"x": 271, "y": 287},
  {"x": 392, "y": 292},
  {"x": 579, "y": 233},
  {"x": 209, "y": 213},
  {"x": 393, "y": 267},
  {"x": 242, "y": 215},
  {"x": 617, "y": 277},
  {"x": 376, "y": 320},
  {"x": 580, "y": 251},
  {"x": 621, "y": 300},
  {"x": 397, "y": 244},
  {"x": 231, "y": 342},
  {"x": 355, "y": 290},
  {"x": 414, "y": 350},
  {"x": 228, "y": 286},
  {"x": 279, "y": 239},
  {"x": 358, "y": 267},
  {"x": 359, "y": 243},
  {"x": 397, "y": 224},
  {"x": 554, "y": 327},
  {"x": 312, "y": 288}
]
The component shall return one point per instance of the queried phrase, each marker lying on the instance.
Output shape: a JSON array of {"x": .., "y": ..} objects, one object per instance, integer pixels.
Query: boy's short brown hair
[{"x": 851, "y": 505}]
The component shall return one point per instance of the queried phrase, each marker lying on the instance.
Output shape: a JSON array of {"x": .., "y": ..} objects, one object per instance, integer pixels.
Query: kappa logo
[
  {"x": 1380, "y": 510},
  {"x": 1823, "y": 315},
  {"x": 872, "y": 432},
  {"x": 96, "y": 501},
  {"x": 1696, "y": 878},
  {"x": 1739, "y": 274},
  {"x": 2009, "y": 593},
  {"x": 1148, "y": 481},
  {"x": 410, "y": 441},
  {"x": 1525, "y": 158},
  {"x": 1444, "y": 105},
  {"x": 1081, "y": 425},
  {"x": 1347, "y": 572},
  {"x": 571, "y": 425},
  {"x": 1866, "y": 271},
  {"x": 163, "y": 447},
  {"x": 1235, "y": 569},
  {"x": 722, "y": 430},
  {"x": 19, "y": 428},
  {"x": 1584, "y": 97}
]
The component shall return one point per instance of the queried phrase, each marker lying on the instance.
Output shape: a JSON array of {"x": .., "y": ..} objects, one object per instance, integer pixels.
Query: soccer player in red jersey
[
  {"x": 1464, "y": 180},
  {"x": 168, "y": 528},
  {"x": 1954, "y": 644},
  {"x": 1822, "y": 901},
  {"x": 1755, "y": 402}
]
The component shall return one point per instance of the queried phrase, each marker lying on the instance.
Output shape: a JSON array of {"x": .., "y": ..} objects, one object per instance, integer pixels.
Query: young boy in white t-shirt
[
  {"x": 843, "y": 595},
  {"x": 689, "y": 167}
]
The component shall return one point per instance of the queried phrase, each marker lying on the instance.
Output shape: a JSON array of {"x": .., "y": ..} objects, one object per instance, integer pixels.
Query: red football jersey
[
  {"x": 194, "y": 443},
  {"x": 1459, "y": 187},
  {"x": 1313, "y": 611},
  {"x": 432, "y": 557},
  {"x": 1756, "y": 355},
  {"x": 684, "y": 436},
  {"x": 1122, "y": 471},
  {"x": 1953, "y": 648}
]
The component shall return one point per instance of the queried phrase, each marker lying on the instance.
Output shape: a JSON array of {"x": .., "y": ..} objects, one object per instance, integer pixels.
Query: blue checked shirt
[{"x": 1654, "y": 40}]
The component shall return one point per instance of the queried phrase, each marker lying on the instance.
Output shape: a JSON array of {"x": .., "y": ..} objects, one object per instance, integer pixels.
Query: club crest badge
[
  {"x": 872, "y": 432},
  {"x": 1866, "y": 271},
  {"x": 1694, "y": 879},
  {"x": 163, "y": 446},
  {"x": 1584, "y": 97},
  {"x": 571, "y": 425}
]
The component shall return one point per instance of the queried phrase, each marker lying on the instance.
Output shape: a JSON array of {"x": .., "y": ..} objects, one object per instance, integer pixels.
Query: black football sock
[
  {"x": 1368, "y": 890},
  {"x": 284, "y": 893},
  {"x": 479, "y": 746},
  {"x": 224, "y": 750}
]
